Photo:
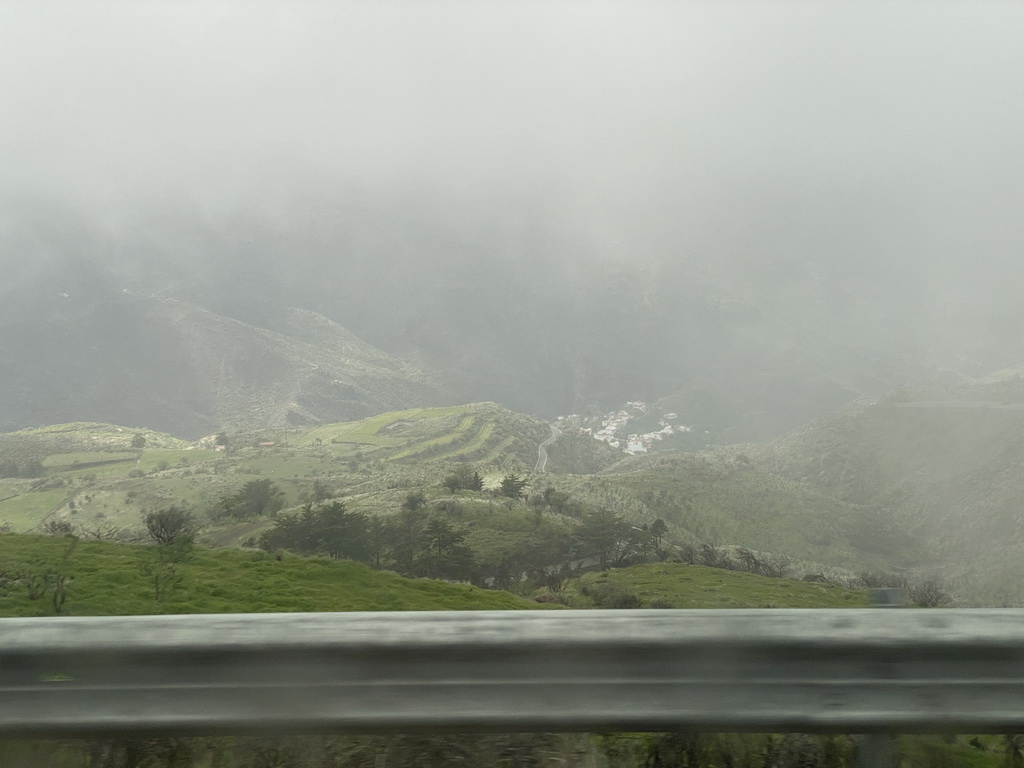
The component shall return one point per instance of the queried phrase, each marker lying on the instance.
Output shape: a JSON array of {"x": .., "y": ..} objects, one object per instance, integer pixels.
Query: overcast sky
[{"x": 709, "y": 122}]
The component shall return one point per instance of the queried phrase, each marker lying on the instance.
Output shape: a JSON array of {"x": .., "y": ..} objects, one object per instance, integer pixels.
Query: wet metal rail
[{"x": 851, "y": 671}]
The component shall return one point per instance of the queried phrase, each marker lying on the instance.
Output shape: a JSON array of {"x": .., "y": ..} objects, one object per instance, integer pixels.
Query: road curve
[{"x": 542, "y": 449}]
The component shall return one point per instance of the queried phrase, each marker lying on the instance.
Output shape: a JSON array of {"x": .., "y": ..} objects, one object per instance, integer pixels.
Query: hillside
[
  {"x": 723, "y": 499},
  {"x": 133, "y": 359},
  {"x": 677, "y": 585},
  {"x": 108, "y": 579},
  {"x": 49, "y": 441},
  {"x": 111, "y": 579},
  {"x": 219, "y": 323},
  {"x": 482, "y": 432},
  {"x": 90, "y": 476},
  {"x": 946, "y": 462},
  {"x": 98, "y": 480}
]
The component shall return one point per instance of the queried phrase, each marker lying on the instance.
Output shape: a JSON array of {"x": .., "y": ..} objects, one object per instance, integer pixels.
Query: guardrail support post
[{"x": 880, "y": 751}]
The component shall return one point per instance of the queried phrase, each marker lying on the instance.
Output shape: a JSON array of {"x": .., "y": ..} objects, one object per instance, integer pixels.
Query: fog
[
  {"x": 618, "y": 116},
  {"x": 860, "y": 162}
]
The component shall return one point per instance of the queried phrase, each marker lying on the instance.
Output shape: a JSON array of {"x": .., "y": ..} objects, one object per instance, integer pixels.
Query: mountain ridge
[{"x": 178, "y": 368}]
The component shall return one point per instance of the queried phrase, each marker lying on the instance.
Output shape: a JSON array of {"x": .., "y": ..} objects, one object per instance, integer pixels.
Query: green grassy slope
[
  {"x": 721, "y": 499},
  {"x": 109, "y": 580},
  {"x": 93, "y": 479},
  {"x": 78, "y": 437},
  {"x": 676, "y": 585}
]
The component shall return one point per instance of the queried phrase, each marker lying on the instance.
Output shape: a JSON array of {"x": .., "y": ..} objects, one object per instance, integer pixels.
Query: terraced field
[
  {"x": 431, "y": 445},
  {"x": 90, "y": 477},
  {"x": 474, "y": 445},
  {"x": 495, "y": 454},
  {"x": 422, "y": 434},
  {"x": 374, "y": 430}
]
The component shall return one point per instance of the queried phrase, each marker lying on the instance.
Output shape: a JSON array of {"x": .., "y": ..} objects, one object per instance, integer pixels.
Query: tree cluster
[
  {"x": 28, "y": 468},
  {"x": 414, "y": 542},
  {"x": 418, "y": 542},
  {"x": 257, "y": 498},
  {"x": 926, "y": 592},
  {"x": 612, "y": 541},
  {"x": 552, "y": 553},
  {"x": 464, "y": 478},
  {"x": 321, "y": 529},
  {"x": 513, "y": 486}
]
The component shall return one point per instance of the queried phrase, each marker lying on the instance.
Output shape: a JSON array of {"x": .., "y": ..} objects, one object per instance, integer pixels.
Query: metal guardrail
[{"x": 851, "y": 671}]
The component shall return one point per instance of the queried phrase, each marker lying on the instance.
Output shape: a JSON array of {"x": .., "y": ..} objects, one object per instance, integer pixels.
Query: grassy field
[
  {"x": 153, "y": 459},
  {"x": 677, "y": 585},
  {"x": 109, "y": 580},
  {"x": 84, "y": 436},
  {"x": 24, "y": 510},
  {"x": 369, "y": 431}
]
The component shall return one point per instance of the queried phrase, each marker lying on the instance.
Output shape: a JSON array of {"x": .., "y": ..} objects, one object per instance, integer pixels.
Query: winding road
[{"x": 542, "y": 449}]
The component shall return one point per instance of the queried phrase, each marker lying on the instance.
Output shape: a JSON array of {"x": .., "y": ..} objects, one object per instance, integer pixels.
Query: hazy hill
[
  {"x": 724, "y": 500},
  {"x": 946, "y": 461},
  {"x": 488, "y": 299},
  {"x": 104, "y": 355}
]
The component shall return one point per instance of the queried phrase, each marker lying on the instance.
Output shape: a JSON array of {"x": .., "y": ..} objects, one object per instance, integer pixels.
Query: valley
[{"x": 868, "y": 490}]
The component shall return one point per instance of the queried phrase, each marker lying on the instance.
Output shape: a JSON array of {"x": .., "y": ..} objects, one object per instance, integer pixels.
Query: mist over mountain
[
  {"x": 489, "y": 307},
  {"x": 747, "y": 214}
]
